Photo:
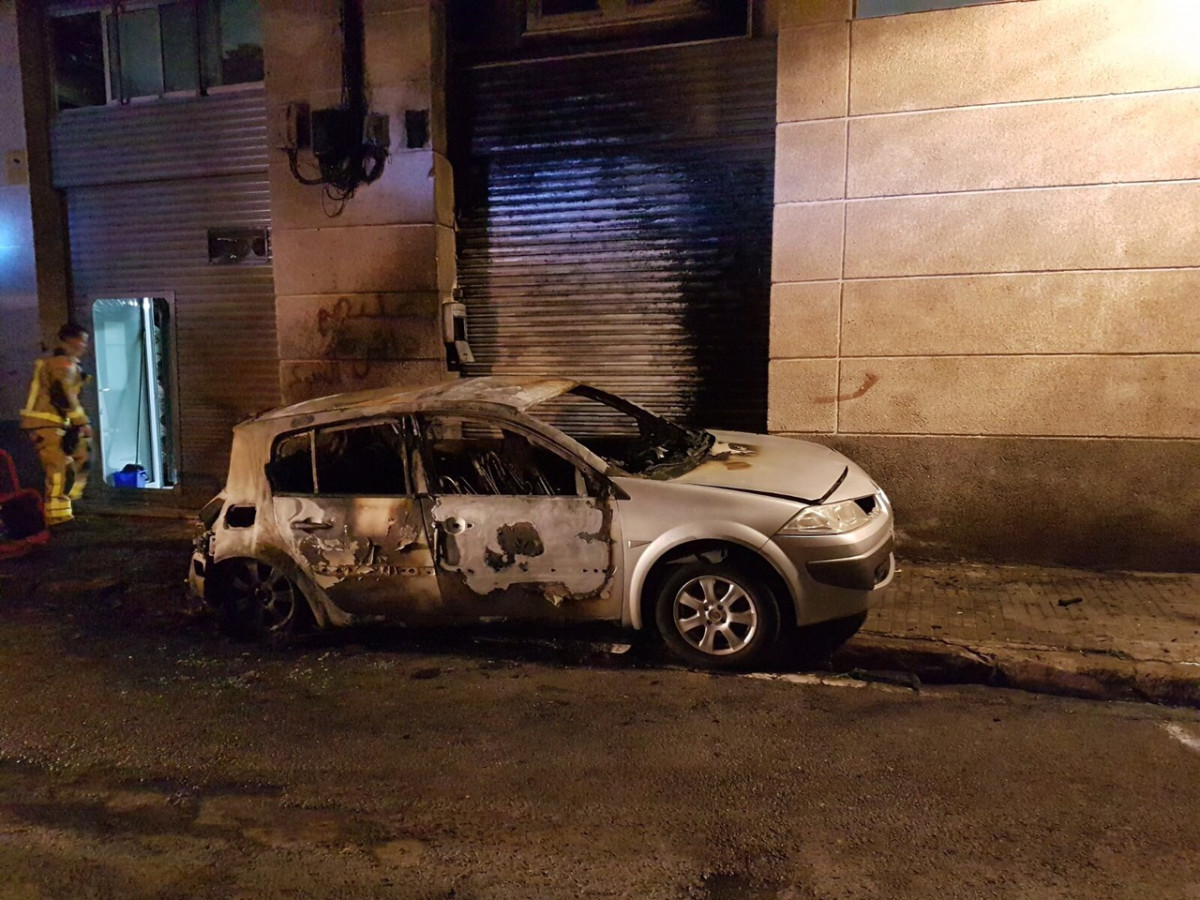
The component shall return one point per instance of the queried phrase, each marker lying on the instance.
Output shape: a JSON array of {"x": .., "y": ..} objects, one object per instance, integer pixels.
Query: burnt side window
[
  {"x": 290, "y": 470},
  {"x": 472, "y": 456},
  {"x": 363, "y": 460}
]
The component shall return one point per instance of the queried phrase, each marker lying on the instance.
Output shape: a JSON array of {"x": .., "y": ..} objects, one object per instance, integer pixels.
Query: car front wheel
[{"x": 716, "y": 615}]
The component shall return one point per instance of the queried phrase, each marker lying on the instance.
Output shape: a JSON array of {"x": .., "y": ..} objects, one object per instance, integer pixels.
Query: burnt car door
[
  {"x": 519, "y": 529},
  {"x": 344, "y": 505}
]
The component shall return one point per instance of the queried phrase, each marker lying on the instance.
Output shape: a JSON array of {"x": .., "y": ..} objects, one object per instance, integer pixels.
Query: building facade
[
  {"x": 985, "y": 270},
  {"x": 952, "y": 239}
]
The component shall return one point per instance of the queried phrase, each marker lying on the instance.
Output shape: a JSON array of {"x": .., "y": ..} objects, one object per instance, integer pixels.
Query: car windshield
[{"x": 623, "y": 434}]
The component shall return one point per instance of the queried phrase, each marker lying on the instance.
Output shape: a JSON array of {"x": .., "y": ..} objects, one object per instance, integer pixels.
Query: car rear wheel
[
  {"x": 716, "y": 615},
  {"x": 259, "y": 601}
]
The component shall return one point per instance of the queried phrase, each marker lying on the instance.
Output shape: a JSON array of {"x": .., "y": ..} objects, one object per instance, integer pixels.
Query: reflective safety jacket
[{"x": 54, "y": 393}]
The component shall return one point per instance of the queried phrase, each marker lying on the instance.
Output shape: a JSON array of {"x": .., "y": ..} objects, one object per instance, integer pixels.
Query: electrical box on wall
[
  {"x": 289, "y": 127},
  {"x": 454, "y": 332},
  {"x": 416, "y": 128},
  {"x": 349, "y": 148},
  {"x": 376, "y": 131},
  {"x": 335, "y": 133},
  {"x": 327, "y": 132},
  {"x": 16, "y": 167}
]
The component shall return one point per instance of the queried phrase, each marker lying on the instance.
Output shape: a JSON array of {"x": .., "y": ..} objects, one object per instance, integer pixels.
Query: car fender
[
  {"x": 324, "y": 610},
  {"x": 690, "y": 532}
]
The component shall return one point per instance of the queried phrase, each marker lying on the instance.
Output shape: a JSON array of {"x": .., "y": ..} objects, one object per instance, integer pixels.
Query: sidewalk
[{"x": 1105, "y": 635}]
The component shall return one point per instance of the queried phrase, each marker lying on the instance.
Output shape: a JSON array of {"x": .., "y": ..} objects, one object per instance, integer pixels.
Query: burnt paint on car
[
  {"x": 490, "y": 535},
  {"x": 516, "y": 540},
  {"x": 362, "y": 551}
]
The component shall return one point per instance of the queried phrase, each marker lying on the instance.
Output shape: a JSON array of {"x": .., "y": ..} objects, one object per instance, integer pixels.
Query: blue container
[{"x": 132, "y": 476}]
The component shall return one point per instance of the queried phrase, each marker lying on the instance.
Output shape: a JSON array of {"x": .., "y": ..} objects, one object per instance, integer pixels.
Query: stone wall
[
  {"x": 359, "y": 294},
  {"x": 986, "y": 282}
]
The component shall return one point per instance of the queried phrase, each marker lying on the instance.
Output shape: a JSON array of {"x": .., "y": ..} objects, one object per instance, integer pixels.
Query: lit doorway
[{"x": 133, "y": 365}]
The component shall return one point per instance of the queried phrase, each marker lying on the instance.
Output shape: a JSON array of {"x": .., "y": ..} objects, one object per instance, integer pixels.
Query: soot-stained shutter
[{"x": 615, "y": 223}]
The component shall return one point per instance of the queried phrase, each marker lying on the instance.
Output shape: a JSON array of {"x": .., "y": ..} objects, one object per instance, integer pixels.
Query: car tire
[
  {"x": 259, "y": 602},
  {"x": 716, "y": 615}
]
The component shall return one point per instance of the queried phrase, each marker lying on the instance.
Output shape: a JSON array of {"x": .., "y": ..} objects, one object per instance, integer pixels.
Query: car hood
[{"x": 779, "y": 467}]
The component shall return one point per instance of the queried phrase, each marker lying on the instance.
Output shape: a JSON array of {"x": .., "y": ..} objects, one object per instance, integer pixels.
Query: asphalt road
[{"x": 142, "y": 755}]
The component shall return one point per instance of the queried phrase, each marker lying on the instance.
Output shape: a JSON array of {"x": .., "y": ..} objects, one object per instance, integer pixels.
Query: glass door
[{"x": 132, "y": 374}]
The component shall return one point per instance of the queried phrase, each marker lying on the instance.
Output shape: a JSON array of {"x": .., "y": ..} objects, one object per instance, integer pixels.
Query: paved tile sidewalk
[
  {"x": 1108, "y": 635},
  {"x": 1143, "y": 616}
]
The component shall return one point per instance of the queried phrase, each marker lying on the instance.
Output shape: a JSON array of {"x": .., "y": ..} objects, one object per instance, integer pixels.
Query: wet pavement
[{"x": 143, "y": 754}]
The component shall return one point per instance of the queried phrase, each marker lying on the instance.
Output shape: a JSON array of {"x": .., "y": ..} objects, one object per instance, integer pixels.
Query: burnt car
[{"x": 528, "y": 499}]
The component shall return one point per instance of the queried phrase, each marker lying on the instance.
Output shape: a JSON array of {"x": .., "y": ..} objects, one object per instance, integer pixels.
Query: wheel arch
[
  {"x": 654, "y": 567},
  {"x": 324, "y": 612}
]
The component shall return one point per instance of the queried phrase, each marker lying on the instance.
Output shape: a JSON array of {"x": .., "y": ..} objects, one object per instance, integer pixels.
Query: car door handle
[
  {"x": 453, "y": 525},
  {"x": 310, "y": 525}
]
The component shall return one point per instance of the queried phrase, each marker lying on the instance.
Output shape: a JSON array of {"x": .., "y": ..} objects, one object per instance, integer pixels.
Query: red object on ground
[{"x": 22, "y": 518}]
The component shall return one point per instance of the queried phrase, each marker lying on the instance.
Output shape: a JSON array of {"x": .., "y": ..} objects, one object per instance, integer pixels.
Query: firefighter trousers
[{"x": 64, "y": 453}]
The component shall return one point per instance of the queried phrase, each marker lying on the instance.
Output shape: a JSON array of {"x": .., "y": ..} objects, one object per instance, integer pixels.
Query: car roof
[{"x": 514, "y": 392}]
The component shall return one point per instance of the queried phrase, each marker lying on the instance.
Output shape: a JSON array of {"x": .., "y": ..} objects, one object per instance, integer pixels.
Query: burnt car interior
[
  {"x": 469, "y": 456},
  {"x": 477, "y": 456},
  {"x": 362, "y": 459},
  {"x": 366, "y": 458},
  {"x": 290, "y": 470},
  {"x": 629, "y": 437}
]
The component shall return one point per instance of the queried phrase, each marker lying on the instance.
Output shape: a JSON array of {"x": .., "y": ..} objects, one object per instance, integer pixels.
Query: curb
[{"x": 1089, "y": 675}]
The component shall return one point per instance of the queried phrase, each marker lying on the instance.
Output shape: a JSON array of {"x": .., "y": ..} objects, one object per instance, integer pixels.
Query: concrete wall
[
  {"x": 359, "y": 295},
  {"x": 19, "y": 343},
  {"x": 987, "y": 270}
]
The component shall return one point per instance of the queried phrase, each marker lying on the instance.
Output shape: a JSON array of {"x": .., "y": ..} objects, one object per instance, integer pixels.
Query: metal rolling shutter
[
  {"x": 615, "y": 224},
  {"x": 143, "y": 185}
]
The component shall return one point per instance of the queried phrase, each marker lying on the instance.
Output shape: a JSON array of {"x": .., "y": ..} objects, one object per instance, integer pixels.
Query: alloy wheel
[
  {"x": 715, "y": 615},
  {"x": 264, "y": 597}
]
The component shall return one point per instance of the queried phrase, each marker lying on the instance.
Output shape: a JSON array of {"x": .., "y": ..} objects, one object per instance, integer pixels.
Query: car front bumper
[
  {"x": 864, "y": 573},
  {"x": 836, "y": 576}
]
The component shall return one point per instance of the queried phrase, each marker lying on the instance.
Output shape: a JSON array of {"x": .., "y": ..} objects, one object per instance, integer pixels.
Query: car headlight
[{"x": 831, "y": 518}]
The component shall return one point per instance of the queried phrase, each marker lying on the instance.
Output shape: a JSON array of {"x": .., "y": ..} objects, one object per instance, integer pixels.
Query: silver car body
[{"x": 427, "y": 556}]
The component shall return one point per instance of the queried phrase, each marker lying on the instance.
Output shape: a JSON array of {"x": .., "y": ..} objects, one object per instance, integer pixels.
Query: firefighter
[{"x": 57, "y": 424}]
